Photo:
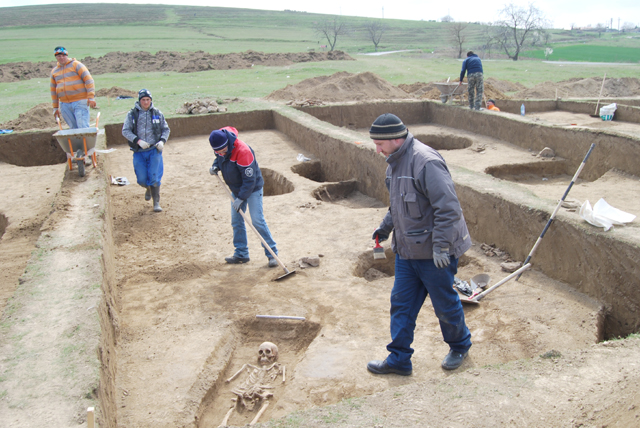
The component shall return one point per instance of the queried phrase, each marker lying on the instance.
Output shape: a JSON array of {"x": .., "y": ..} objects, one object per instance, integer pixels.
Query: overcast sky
[{"x": 561, "y": 13}]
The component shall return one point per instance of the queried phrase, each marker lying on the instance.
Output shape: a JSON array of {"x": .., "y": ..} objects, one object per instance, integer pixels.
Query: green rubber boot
[{"x": 147, "y": 194}]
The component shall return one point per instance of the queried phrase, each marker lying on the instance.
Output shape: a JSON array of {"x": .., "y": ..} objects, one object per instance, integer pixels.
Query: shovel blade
[{"x": 286, "y": 275}]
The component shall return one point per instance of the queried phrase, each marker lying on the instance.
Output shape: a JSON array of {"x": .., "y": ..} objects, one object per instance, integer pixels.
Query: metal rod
[
  {"x": 575, "y": 177},
  {"x": 264, "y": 243},
  {"x": 281, "y": 317}
]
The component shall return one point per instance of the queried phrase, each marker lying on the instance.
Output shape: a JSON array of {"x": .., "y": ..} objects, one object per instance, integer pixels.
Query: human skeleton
[{"x": 256, "y": 387}]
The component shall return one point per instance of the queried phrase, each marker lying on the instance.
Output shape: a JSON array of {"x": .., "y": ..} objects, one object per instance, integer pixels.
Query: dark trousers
[{"x": 414, "y": 280}]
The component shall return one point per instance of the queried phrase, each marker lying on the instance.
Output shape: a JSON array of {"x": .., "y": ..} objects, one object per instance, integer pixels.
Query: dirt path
[{"x": 49, "y": 327}]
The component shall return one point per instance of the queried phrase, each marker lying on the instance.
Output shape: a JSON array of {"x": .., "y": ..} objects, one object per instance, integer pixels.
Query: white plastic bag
[{"x": 604, "y": 215}]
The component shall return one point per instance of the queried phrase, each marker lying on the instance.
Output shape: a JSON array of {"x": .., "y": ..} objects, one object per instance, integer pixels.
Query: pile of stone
[{"x": 200, "y": 107}]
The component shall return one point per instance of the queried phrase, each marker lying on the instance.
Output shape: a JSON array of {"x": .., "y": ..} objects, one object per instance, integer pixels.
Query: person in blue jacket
[
  {"x": 472, "y": 65},
  {"x": 240, "y": 170}
]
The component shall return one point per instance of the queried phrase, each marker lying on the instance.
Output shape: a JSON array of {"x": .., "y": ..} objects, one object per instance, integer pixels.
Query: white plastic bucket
[{"x": 607, "y": 112}]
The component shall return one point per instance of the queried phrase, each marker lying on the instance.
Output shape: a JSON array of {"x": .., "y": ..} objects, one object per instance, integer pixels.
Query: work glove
[
  {"x": 56, "y": 113},
  {"x": 143, "y": 144},
  {"x": 92, "y": 103},
  {"x": 160, "y": 145},
  {"x": 441, "y": 257},
  {"x": 237, "y": 204},
  {"x": 214, "y": 170},
  {"x": 382, "y": 234}
]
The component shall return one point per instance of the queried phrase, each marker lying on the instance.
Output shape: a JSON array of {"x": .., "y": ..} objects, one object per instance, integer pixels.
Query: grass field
[
  {"x": 221, "y": 30},
  {"x": 96, "y": 29},
  {"x": 590, "y": 53}
]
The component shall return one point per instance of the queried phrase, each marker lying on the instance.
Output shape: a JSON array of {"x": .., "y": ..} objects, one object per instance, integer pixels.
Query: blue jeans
[
  {"x": 149, "y": 167},
  {"x": 76, "y": 114},
  {"x": 415, "y": 279},
  {"x": 257, "y": 219}
]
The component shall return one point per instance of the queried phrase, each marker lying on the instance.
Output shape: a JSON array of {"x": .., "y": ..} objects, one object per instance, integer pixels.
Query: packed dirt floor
[
  {"x": 178, "y": 294},
  {"x": 187, "y": 320}
]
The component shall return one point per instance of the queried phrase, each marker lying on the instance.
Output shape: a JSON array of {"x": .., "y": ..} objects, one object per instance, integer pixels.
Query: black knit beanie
[{"x": 387, "y": 127}]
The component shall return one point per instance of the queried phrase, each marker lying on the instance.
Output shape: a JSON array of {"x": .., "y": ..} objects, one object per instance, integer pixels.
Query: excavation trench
[{"x": 177, "y": 322}]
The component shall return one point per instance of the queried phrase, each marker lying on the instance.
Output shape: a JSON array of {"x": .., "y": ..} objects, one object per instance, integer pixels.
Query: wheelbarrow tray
[
  {"x": 76, "y": 136},
  {"x": 449, "y": 89}
]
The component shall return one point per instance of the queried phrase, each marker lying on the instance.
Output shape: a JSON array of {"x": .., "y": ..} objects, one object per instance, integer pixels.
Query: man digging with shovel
[
  {"x": 240, "y": 170},
  {"x": 429, "y": 235}
]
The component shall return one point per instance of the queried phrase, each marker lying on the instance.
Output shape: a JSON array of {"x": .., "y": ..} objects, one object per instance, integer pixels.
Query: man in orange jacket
[
  {"x": 72, "y": 90},
  {"x": 491, "y": 105}
]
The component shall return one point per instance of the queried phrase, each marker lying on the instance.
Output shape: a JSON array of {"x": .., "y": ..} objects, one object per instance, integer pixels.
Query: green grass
[
  {"x": 214, "y": 30},
  {"x": 589, "y": 53},
  {"x": 129, "y": 27}
]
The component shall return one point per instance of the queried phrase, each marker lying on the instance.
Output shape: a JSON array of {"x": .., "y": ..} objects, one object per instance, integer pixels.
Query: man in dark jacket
[
  {"x": 240, "y": 170},
  {"x": 429, "y": 235},
  {"x": 147, "y": 132},
  {"x": 472, "y": 65}
]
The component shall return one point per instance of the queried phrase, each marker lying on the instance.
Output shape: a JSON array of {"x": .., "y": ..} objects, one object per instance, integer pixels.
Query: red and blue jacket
[{"x": 239, "y": 167}]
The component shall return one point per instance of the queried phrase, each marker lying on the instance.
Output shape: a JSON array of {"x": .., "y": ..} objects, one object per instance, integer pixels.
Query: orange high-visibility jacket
[{"x": 71, "y": 82}]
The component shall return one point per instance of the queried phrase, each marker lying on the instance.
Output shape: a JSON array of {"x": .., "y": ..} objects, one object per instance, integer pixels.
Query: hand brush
[{"x": 378, "y": 251}]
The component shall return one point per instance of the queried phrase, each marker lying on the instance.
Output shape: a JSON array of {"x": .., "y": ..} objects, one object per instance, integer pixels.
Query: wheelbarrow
[
  {"x": 79, "y": 144},
  {"x": 448, "y": 90}
]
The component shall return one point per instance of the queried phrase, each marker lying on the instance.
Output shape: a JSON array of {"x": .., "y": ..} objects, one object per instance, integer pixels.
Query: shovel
[
  {"x": 287, "y": 272},
  {"x": 476, "y": 297},
  {"x": 598, "y": 103}
]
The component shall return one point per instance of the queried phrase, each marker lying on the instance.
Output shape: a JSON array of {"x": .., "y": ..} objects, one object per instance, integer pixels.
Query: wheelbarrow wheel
[
  {"x": 444, "y": 99},
  {"x": 80, "y": 163}
]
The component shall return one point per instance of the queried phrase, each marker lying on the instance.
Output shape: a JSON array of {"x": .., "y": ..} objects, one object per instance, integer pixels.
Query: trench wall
[
  {"x": 31, "y": 149},
  {"x": 626, "y": 111},
  {"x": 202, "y": 124},
  {"x": 340, "y": 157},
  {"x": 108, "y": 316},
  {"x": 590, "y": 262},
  {"x": 612, "y": 150}
]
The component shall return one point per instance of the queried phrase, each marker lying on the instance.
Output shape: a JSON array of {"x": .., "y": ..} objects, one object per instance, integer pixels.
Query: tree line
[{"x": 518, "y": 27}]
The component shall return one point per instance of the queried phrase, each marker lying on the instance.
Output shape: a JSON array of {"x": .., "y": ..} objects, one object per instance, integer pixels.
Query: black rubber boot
[
  {"x": 147, "y": 194},
  {"x": 155, "y": 193}
]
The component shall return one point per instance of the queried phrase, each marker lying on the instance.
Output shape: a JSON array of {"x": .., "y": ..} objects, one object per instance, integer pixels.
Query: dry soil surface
[{"x": 188, "y": 319}]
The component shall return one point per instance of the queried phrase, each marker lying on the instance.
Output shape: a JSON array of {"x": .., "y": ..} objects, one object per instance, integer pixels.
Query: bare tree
[
  {"x": 457, "y": 35},
  {"x": 628, "y": 26},
  {"x": 331, "y": 29},
  {"x": 376, "y": 30},
  {"x": 447, "y": 18},
  {"x": 601, "y": 28},
  {"x": 517, "y": 26},
  {"x": 489, "y": 37}
]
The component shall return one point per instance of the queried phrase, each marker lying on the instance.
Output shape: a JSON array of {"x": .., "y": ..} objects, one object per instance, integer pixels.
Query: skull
[{"x": 267, "y": 353}]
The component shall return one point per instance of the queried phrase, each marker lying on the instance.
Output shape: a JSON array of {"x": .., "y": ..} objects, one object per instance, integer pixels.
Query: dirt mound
[
  {"x": 429, "y": 91},
  {"x": 504, "y": 85},
  {"x": 39, "y": 117},
  {"x": 114, "y": 92},
  {"x": 339, "y": 87},
  {"x": 583, "y": 88},
  {"x": 182, "y": 62}
]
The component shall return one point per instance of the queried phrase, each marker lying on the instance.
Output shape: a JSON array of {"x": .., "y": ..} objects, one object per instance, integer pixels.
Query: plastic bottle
[{"x": 522, "y": 110}]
